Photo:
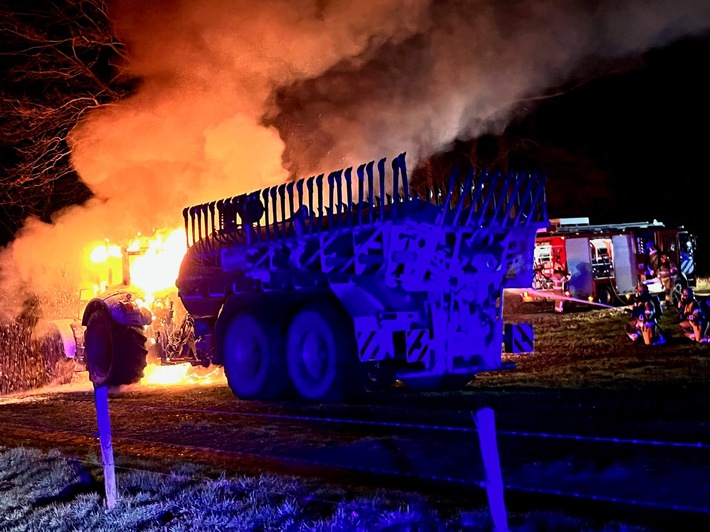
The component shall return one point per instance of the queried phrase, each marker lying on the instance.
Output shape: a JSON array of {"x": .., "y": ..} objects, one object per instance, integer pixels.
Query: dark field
[{"x": 589, "y": 425}]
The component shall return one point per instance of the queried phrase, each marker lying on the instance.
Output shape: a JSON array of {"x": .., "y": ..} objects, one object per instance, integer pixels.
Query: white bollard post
[
  {"x": 104, "y": 421},
  {"x": 484, "y": 420}
]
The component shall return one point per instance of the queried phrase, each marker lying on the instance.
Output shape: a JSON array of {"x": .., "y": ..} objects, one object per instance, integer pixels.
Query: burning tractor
[
  {"x": 327, "y": 286},
  {"x": 137, "y": 288}
]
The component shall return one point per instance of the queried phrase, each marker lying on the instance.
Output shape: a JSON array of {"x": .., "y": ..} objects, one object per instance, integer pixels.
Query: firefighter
[
  {"x": 693, "y": 321},
  {"x": 642, "y": 295},
  {"x": 645, "y": 312},
  {"x": 666, "y": 273},
  {"x": 539, "y": 279},
  {"x": 648, "y": 325},
  {"x": 638, "y": 307},
  {"x": 560, "y": 276},
  {"x": 652, "y": 260}
]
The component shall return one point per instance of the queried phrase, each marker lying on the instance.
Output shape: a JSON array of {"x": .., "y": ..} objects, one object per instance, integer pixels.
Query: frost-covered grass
[{"x": 49, "y": 491}]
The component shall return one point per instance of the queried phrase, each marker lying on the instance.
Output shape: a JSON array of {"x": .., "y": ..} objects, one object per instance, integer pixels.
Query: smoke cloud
[{"x": 238, "y": 95}]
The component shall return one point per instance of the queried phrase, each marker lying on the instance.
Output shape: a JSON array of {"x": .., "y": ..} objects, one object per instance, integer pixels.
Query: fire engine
[
  {"x": 318, "y": 286},
  {"x": 603, "y": 263}
]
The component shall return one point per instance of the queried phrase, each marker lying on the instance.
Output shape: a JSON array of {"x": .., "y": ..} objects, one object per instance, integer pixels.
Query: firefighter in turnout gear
[
  {"x": 644, "y": 318},
  {"x": 666, "y": 273},
  {"x": 560, "y": 276},
  {"x": 652, "y": 260},
  {"x": 648, "y": 325},
  {"x": 693, "y": 321}
]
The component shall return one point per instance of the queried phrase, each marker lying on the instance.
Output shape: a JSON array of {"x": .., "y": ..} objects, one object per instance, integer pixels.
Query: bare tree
[{"x": 58, "y": 60}]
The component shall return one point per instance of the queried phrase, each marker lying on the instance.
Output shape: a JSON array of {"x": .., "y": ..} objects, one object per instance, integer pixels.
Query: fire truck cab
[{"x": 604, "y": 263}]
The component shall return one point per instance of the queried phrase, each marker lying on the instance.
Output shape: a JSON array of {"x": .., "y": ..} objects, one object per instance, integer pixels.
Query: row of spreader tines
[{"x": 491, "y": 197}]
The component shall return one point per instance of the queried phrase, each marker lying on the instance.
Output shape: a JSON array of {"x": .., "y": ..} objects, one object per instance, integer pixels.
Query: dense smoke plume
[{"x": 237, "y": 95}]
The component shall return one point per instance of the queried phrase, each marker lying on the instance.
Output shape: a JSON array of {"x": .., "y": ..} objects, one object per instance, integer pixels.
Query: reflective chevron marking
[
  {"x": 519, "y": 338},
  {"x": 417, "y": 346},
  {"x": 369, "y": 347},
  {"x": 687, "y": 266}
]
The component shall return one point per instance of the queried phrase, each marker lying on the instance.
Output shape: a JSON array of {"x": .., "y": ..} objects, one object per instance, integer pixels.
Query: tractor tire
[
  {"x": 322, "y": 354},
  {"x": 115, "y": 353},
  {"x": 253, "y": 356}
]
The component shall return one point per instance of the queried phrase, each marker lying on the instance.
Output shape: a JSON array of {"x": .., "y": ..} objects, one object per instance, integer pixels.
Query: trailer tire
[
  {"x": 253, "y": 357},
  {"x": 322, "y": 354},
  {"x": 115, "y": 353}
]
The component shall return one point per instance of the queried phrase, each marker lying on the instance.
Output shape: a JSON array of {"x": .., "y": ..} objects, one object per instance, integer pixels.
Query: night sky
[
  {"x": 640, "y": 136},
  {"x": 645, "y": 130}
]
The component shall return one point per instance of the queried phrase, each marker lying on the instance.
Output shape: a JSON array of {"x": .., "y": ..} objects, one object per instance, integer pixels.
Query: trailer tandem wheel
[
  {"x": 253, "y": 358},
  {"x": 322, "y": 354},
  {"x": 115, "y": 353}
]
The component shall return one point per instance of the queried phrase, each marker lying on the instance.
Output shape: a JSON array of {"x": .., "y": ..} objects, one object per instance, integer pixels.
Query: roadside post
[
  {"x": 104, "y": 422},
  {"x": 484, "y": 420}
]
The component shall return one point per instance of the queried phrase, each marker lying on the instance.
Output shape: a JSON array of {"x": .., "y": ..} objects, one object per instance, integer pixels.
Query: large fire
[
  {"x": 151, "y": 265},
  {"x": 155, "y": 268}
]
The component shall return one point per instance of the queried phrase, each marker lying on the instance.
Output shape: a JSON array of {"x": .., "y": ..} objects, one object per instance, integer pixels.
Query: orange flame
[
  {"x": 153, "y": 262},
  {"x": 155, "y": 269},
  {"x": 182, "y": 374}
]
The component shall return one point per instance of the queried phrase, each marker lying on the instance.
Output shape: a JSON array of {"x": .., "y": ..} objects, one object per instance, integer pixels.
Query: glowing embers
[{"x": 182, "y": 374}]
